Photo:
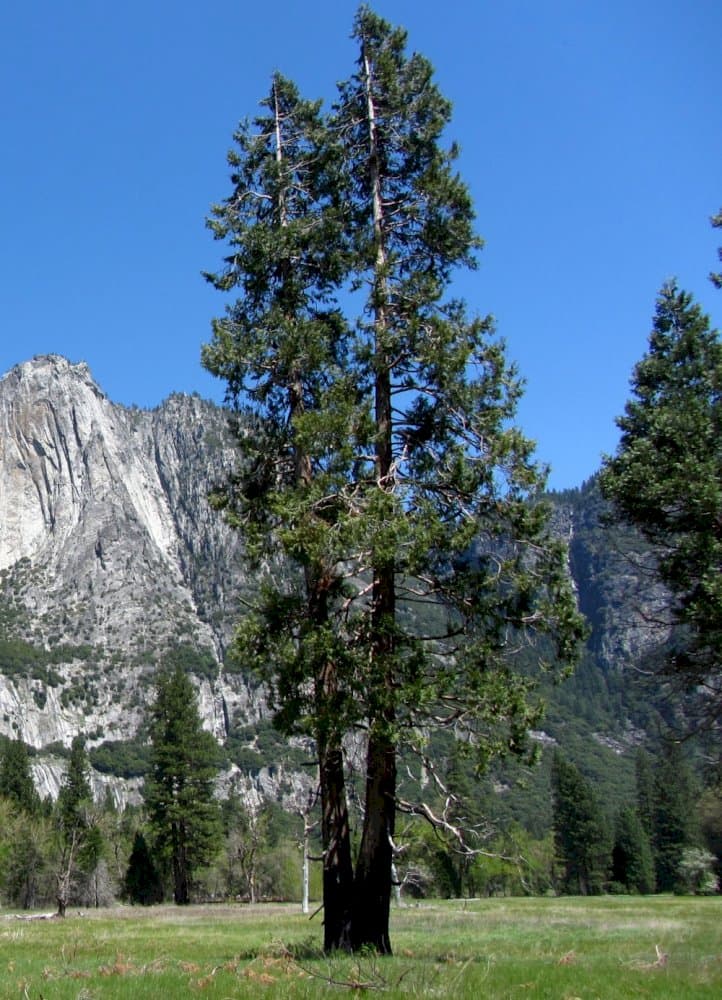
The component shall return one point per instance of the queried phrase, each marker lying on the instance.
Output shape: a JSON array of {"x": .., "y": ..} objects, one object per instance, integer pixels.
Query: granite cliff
[{"x": 110, "y": 556}]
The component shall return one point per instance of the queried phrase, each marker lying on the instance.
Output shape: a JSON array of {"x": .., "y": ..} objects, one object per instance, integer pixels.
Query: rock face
[
  {"x": 110, "y": 556},
  {"x": 617, "y": 585}
]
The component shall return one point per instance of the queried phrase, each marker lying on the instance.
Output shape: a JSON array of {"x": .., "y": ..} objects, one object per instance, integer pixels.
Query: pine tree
[
  {"x": 16, "y": 781},
  {"x": 666, "y": 479},
  {"x": 283, "y": 350},
  {"x": 183, "y": 813},
  {"x": 632, "y": 863},
  {"x": 580, "y": 833},
  {"x": 446, "y": 483},
  {"x": 75, "y": 792},
  {"x": 644, "y": 778},
  {"x": 143, "y": 883},
  {"x": 388, "y": 469},
  {"x": 674, "y": 816}
]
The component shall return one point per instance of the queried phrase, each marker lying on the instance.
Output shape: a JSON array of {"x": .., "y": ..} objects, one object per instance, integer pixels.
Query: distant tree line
[
  {"x": 184, "y": 844},
  {"x": 660, "y": 843}
]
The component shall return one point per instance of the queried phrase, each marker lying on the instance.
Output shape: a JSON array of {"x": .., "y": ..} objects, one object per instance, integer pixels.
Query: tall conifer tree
[
  {"x": 675, "y": 824},
  {"x": 184, "y": 815},
  {"x": 16, "y": 781},
  {"x": 632, "y": 863},
  {"x": 666, "y": 479},
  {"x": 283, "y": 350},
  {"x": 581, "y": 838},
  {"x": 400, "y": 488},
  {"x": 449, "y": 484}
]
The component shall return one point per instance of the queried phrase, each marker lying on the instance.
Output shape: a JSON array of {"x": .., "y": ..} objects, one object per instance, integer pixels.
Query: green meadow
[{"x": 605, "y": 947}]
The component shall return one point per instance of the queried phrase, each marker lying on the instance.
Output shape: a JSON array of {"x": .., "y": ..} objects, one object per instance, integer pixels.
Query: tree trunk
[
  {"x": 372, "y": 883},
  {"x": 335, "y": 833},
  {"x": 181, "y": 889},
  {"x": 337, "y": 867},
  {"x": 305, "y": 867}
]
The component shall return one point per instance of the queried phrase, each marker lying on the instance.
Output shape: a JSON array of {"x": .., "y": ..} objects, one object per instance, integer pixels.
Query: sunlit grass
[{"x": 614, "y": 947}]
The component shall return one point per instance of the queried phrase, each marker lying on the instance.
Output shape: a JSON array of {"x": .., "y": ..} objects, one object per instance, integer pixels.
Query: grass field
[{"x": 608, "y": 947}]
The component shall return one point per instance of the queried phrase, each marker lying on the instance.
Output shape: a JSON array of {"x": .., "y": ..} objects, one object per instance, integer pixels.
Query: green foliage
[
  {"x": 22, "y": 659},
  {"x": 16, "y": 781},
  {"x": 632, "y": 864},
  {"x": 580, "y": 832},
  {"x": 252, "y": 747},
  {"x": 79, "y": 840},
  {"x": 25, "y": 856},
  {"x": 143, "y": 883},
  {"x": 261, "y": 857},
  {"x": 189, "y": 659},
  {"x": 123, "y": 758},
  {"x": 645, "y": 792},
  {"x": 710, "y": 816},
  {"x": 515, "y": 864},
  {"x": 666, "y": 479},
  {"x": 675, "y": 823},
  {"x": 75, "y": 792},
  {"x": 695, "y": 873},
  {"x": 179, "y": 786}
]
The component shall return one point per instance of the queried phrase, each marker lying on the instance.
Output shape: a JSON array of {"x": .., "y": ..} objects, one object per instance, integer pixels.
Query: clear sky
[{"x": 591, "y": 140}]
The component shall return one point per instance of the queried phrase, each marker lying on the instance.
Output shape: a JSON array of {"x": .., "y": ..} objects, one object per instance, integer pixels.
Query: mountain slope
[{"x": 110, "y": 555}]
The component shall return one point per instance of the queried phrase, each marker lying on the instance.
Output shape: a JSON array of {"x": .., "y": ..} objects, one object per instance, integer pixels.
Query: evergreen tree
[
  {"x": 632, "y": 864},
  {"x": 644, "y": 776},
  {"x": 710, "y": 817},
  {"x": 446, "y": 483},
  {"x": 143, "y": 883},
  {"x": 666, "y": 479},
  {"x": 674, "y": 816},
  {"x": 16, "y": 781},
  {"x": 178, "y": 792},
  {"x": 391, "y": 472},
  {"x": 75, "y": 792},
  {"x": 283, "y": 350},
  {"x": 580, "y": 833}
]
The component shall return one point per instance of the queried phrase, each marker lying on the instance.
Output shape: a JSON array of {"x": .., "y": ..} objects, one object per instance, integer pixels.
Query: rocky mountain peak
[{"x": 110, "y": 555}]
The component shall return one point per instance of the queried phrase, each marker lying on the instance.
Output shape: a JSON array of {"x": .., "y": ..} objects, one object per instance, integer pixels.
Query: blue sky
[{"x": 591, "y": 141}]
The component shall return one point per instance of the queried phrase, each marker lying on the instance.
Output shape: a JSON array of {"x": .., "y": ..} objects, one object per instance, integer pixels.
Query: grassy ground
[{"x": 615, "y": 947}]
